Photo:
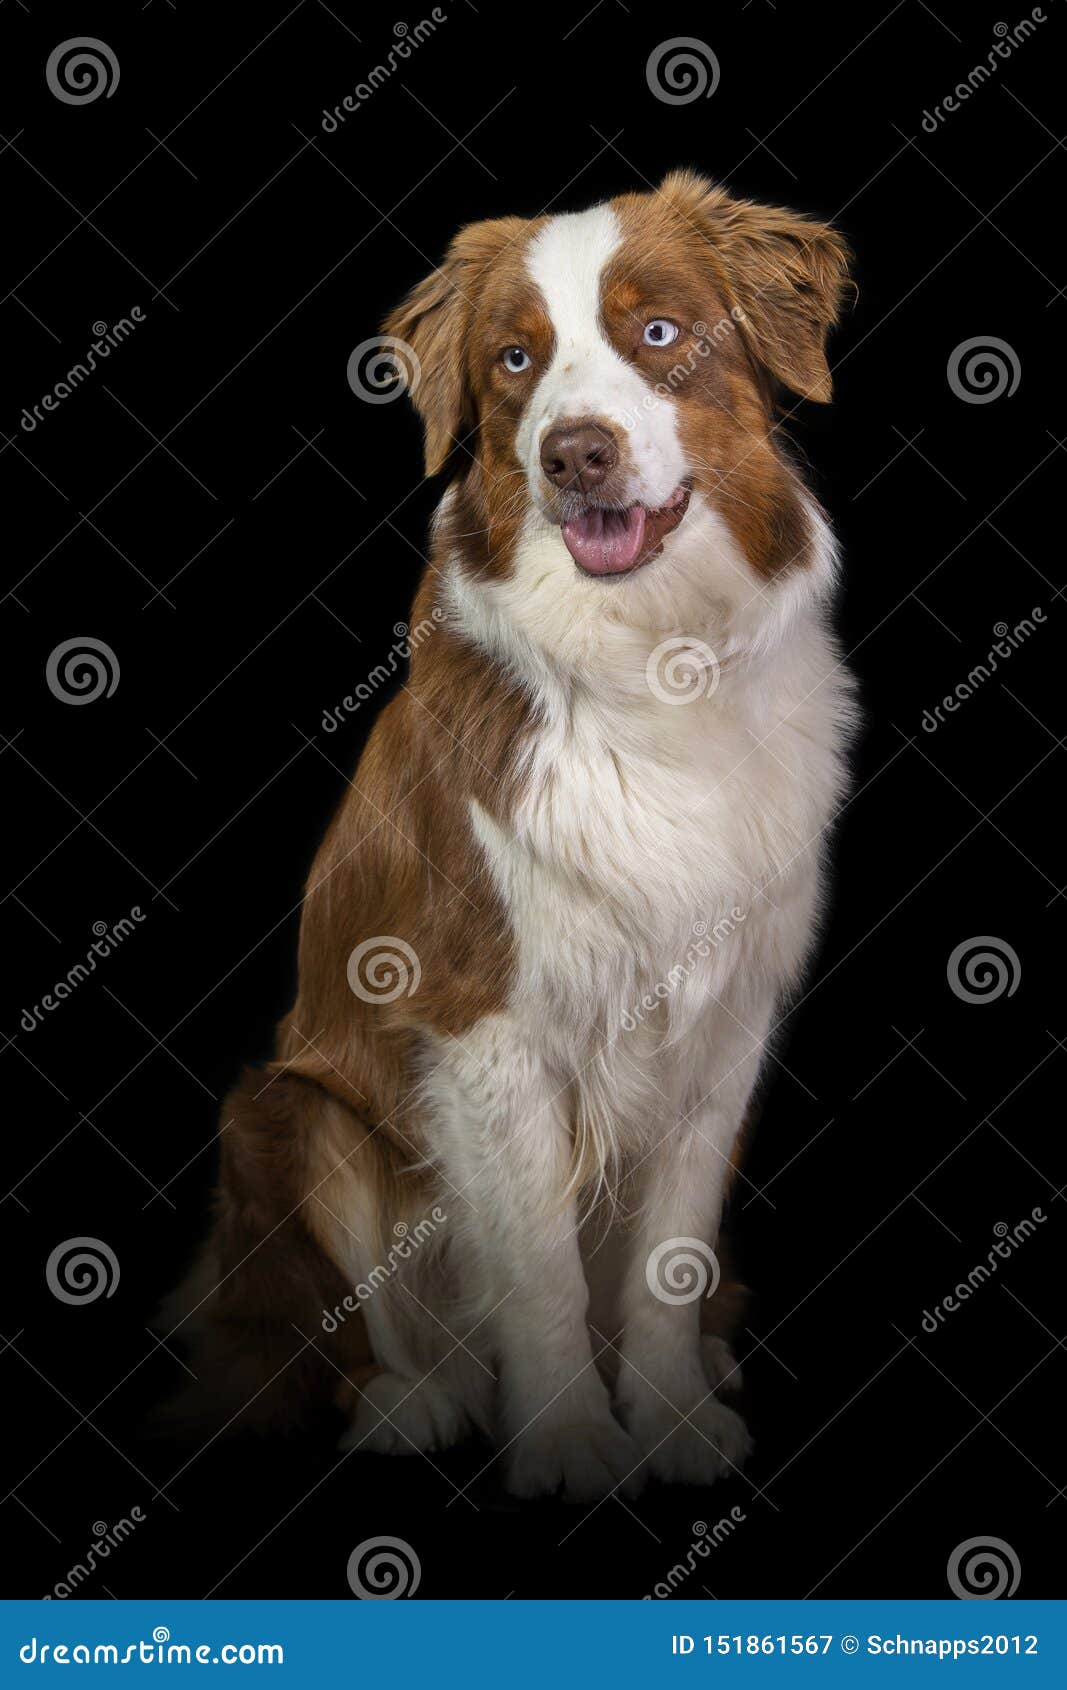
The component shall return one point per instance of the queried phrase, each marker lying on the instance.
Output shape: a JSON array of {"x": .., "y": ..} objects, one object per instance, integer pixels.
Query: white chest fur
[{"x": 660, "y": 870}]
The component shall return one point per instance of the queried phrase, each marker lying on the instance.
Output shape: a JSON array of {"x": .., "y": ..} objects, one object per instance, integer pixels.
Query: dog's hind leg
[{"x": 251, "y": 1308}]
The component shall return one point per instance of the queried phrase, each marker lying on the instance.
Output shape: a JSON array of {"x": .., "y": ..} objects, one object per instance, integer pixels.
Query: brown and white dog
[{"x": 578, "y": 867}]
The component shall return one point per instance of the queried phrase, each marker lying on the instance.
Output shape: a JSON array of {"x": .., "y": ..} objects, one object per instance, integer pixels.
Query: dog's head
[{"x": 597, "y": 371}]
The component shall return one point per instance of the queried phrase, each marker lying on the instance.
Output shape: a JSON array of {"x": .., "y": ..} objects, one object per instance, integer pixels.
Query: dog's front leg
[
  {"x": 502, "y": 1138},
  {"x": 663, "y": 1390}
]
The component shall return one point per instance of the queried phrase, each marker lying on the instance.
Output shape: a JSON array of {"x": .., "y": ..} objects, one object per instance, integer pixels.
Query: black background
[{"x": 244, "y": 533}]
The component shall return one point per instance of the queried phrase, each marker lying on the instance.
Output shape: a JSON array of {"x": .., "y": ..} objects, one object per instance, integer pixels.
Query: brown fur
[
  {"x": 250, "y": 1311},
  {"x": 326, "y": 1132}
]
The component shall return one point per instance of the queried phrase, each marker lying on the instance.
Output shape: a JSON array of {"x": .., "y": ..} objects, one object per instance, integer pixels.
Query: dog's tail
[{"x": 249, "y": 1313}]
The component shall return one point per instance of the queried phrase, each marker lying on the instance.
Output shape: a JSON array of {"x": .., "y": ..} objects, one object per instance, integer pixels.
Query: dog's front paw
[
  {"x": 397, "y": 1416},
  {"x": 586, "y": 1459},
  {"x": 711, "y": 1443}
]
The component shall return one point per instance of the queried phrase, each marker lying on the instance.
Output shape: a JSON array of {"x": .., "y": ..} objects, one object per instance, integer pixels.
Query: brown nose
[{"x": 578, "y": 456}]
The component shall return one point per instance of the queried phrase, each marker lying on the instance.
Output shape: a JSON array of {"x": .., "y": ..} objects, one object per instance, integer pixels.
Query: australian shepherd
[{"x": 577, "y": 871}]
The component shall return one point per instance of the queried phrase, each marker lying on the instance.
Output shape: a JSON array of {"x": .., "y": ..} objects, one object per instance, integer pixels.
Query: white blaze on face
[{"x": 587, "y": 378}]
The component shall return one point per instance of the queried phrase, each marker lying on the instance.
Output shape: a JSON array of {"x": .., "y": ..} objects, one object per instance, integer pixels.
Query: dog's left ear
[
  {"x": 784, "y": 273},
  {"x": 434, "y": 322}
]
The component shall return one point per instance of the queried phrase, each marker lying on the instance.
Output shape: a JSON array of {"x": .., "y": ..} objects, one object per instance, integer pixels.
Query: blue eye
[
  {"x": 515, "y": 359},
  {"x": 660, "y": 332}
]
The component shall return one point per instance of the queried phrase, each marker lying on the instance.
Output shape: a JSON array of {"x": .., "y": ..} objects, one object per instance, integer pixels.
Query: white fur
[
  {"x": 587, "y": 378},
  {"x": 644, "y": 827}
]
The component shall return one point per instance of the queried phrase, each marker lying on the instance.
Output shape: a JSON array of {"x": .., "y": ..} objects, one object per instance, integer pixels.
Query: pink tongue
[{"x": 606, "y": 542}]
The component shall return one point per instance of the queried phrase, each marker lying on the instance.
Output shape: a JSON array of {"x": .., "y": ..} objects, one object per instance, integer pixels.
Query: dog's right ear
[{"x": 433, "y": 324}]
